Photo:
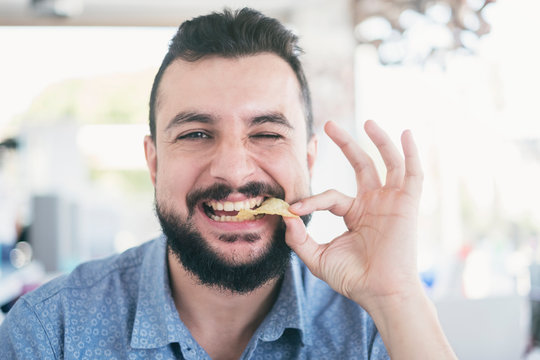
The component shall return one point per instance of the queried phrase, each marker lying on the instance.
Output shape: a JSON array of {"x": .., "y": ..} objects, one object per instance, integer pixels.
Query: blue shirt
[{"x": 121, "y": 308}]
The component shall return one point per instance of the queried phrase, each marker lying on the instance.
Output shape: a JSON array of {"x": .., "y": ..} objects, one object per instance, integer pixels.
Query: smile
[{"x": 226, "y": 211}]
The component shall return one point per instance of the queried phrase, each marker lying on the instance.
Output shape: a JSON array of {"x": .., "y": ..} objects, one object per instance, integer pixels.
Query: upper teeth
[{"x": 236, "y": 205}]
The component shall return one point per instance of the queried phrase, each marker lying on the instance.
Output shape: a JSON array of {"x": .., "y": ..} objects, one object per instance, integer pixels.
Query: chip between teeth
[{"x": 272, "y": 206}]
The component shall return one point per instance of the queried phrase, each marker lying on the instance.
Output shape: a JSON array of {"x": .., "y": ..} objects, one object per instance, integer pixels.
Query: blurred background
[{"x": 75, "y": 79}]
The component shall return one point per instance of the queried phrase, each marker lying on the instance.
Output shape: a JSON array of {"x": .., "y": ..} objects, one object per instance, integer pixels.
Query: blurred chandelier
[{"x": 414, "y": 31}]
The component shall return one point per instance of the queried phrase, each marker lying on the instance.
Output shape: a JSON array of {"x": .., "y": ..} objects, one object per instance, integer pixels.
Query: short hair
[{"x": 234, "y": 34}]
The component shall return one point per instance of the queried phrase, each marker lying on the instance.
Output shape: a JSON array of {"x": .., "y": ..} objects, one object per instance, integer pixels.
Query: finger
[
  {"x": 331, "y": 200},
  {"x": 395, "y": 167},
  {"x": 414, "y": 175},
  {"x": 307, "y": 249},
  {"x": 364, "y": 168}
]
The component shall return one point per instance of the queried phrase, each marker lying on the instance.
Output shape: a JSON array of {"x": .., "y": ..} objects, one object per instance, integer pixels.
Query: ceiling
[{"x": 129, "y": 12}]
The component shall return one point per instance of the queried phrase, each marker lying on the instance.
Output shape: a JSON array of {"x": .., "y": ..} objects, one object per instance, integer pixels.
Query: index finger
[{"x": 364, "y": 168}]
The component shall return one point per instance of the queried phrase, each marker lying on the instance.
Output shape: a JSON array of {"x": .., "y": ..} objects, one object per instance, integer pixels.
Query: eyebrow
[
  {"x": 276, "y": 118},
  {"x": 189, "y": 117}
]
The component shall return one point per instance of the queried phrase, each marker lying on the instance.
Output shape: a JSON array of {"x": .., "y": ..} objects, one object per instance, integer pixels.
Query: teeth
[
  {"x": 237, "y": 205},
  {"x": 224, "y": 218},
  {"x": 233, "y": 218}
]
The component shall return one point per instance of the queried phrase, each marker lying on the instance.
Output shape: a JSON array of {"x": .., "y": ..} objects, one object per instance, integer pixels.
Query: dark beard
[{"x": 197, "y": 257}]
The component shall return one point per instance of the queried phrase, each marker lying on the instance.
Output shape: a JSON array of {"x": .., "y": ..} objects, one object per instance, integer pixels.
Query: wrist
[
  {"x": 409, "y": 292},
  {"x": 397, "y": 302},
  {"x": 407, "y": 321}
]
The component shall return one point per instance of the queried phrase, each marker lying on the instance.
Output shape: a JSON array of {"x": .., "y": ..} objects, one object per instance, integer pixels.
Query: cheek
[
  {"x": 174, "y": 179},
  {"x": 300, "y": 170},
  {"x": 290, "y": 170}
]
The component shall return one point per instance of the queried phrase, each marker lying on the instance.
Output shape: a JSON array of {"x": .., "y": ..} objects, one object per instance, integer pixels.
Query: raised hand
[
  {"x": 376, "y": 257},
  {"x": 374, "y": 261}
]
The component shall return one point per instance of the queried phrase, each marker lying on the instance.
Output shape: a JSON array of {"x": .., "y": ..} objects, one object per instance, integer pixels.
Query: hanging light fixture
[{"x": 405, "y": 31}]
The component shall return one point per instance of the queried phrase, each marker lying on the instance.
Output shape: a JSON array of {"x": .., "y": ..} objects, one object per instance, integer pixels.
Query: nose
[{"x": 232, "y": 162}]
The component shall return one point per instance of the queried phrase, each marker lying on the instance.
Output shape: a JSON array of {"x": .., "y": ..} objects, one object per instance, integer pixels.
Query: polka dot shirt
[{"x": 121, "y": 308}]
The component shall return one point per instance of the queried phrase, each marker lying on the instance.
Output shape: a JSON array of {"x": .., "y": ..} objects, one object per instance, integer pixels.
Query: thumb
[{"x": 307, "y": 249}]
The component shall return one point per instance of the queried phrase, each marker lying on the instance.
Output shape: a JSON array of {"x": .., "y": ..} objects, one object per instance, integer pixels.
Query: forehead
[{"x": 230, "y": 87}]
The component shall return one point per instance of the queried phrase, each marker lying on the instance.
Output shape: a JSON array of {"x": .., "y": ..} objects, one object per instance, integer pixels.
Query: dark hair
[{"x": 234, "y": 34}]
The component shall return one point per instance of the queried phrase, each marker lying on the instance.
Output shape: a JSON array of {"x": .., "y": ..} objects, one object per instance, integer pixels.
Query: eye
[
  {"x": 267, "y": 136},
  {"x": 194, "y": 135}
]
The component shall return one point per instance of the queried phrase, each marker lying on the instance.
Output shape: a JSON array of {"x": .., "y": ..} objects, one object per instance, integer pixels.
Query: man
[{"x": 231, "y": 125}]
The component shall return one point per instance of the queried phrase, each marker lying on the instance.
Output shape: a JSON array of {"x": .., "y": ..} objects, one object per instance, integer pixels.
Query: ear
[
  {"x": 312, "y": 153},
  {"x": 151, "y": 157}
]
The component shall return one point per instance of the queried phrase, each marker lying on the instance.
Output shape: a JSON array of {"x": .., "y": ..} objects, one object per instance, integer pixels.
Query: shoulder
[
  {"x": 98, "y": 296},
  {"x": 23, "y": 336},
  {"x": 99, "y": 286},
  {"x": 91, "y": 275}
]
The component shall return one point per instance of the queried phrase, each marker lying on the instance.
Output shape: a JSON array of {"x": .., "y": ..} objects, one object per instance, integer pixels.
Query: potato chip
[{"x": 272, "y": 206}]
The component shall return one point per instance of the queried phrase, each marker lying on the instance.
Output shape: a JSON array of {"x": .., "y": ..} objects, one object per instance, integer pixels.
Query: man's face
[{"x": 229, "y": 133}]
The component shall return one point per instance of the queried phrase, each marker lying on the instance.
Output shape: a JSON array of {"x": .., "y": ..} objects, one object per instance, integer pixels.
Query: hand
[{"x": 376, "y": 257}]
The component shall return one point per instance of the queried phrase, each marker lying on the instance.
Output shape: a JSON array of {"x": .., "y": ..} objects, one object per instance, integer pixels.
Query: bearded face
[
  {"x": 213, "y": 269},
  {"x": 230, "y": 132}
]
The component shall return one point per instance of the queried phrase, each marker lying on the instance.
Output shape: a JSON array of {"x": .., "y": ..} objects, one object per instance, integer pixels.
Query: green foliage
[
  {"x": 112, "y": 99},
  {"x": 106, "y": 99},
  {"x": 129, "y": 181}
]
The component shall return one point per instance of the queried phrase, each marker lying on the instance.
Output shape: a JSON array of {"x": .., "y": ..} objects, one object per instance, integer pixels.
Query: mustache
[{"x": 221, "y": 191}]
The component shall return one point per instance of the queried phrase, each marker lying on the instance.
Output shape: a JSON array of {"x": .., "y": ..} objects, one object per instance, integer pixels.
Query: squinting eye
[
  {"x": 267, "y": 136},
  {"x": 194, "y": 136}
]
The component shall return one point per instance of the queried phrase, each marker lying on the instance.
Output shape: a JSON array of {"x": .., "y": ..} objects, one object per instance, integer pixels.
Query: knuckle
[{"x": 331, "y": 192}]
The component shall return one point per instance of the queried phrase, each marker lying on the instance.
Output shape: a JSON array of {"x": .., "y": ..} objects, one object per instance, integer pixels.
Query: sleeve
[{"x": 22, "y": 335}]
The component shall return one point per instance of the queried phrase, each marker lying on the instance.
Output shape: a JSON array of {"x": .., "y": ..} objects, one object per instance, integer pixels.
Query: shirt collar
[
  {"x": 156, "y": 322},
  {"x": 289, "y": 311}
]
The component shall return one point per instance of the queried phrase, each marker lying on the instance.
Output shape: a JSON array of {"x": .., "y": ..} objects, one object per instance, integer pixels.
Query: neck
[{"x": 208, "y": 311}]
